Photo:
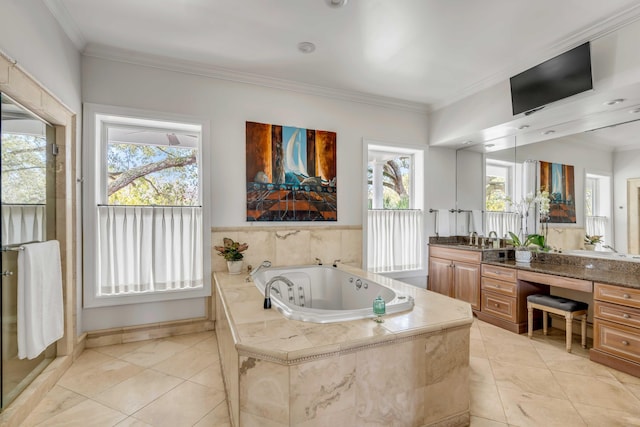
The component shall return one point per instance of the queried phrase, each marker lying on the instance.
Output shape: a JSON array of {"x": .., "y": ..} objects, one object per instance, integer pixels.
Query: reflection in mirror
[
  {"x": 486, "y": 175},
  {"x": 606, "y": 164}
]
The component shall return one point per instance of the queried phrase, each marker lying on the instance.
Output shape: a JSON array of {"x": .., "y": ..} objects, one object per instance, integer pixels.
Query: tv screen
[{"x": 560, "y": 77}]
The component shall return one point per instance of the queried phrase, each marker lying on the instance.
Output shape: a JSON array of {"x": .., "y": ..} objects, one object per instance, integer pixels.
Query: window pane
[
  {"x": 161, "y": 171},
  {"x": 23, "y": 169},
  {"x": 396, "y": 183}
]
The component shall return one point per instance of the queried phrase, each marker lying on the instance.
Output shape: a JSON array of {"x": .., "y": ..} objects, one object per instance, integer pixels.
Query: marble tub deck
[{"x": 413, "y": 369}]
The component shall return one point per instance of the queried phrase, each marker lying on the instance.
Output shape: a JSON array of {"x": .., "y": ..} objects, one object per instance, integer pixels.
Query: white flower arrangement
[{"x": 526, "y": 203}]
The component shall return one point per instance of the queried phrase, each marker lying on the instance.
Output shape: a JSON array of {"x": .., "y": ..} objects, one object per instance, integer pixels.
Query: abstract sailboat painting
[{"x": 291, "y": 173}]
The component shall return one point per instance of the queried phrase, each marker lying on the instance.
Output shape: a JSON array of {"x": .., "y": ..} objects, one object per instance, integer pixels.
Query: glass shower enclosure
[{"x": 27, "y": 200}]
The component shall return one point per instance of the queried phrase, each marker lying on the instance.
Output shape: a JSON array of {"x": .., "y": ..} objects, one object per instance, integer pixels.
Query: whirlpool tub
[{"x": 325, "y": 294}]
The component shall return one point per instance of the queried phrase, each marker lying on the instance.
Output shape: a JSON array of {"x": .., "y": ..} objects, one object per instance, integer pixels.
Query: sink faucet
[
  {"x": 473, "y": 238},
  {"x": 610, "y": 247},
  {"x": 267, "y": 289},
  {"x": 493, "y": 238}
]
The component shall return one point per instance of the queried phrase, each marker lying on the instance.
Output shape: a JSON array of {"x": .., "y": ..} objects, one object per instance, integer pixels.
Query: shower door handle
[{"x": 6, "y": 273}]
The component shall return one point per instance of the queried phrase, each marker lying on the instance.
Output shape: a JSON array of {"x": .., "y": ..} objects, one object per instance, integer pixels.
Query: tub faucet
[
  {"x": 318, "y": 261},
  {"x": 335, "y": 262},
  {"x": 265, "y": 264},
  {"x": 267, "y": 289},
  {"x": 473, "y": 238}
]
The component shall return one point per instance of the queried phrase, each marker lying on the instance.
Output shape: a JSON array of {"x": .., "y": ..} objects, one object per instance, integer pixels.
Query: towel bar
[{"x": 13, "y": 248}]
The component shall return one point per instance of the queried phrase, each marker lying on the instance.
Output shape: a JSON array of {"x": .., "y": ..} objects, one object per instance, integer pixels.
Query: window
[
  {"x": 144, "y": 226},
  {"x": 499, "y": 186},
  {"x": 395, "y": 202},
  {"x": 597, "y": 206}
]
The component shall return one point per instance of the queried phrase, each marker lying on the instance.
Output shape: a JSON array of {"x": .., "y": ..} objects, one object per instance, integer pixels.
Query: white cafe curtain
[{"x": 394, "y": 240}]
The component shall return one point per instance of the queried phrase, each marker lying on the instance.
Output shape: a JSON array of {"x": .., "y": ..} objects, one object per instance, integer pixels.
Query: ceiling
[{"x": 423, "y": 54}]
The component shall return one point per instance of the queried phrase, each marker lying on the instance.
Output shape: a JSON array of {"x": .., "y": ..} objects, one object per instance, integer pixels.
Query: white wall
[
  {"x": 626, "y": 165},
  {"x": 228, "y": 105},
  {"x": 30, "y": 35}
]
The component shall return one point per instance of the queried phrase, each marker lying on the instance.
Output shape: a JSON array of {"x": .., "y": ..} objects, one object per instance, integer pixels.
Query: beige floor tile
[
  {"x": 87, "y": 413},
  {"x": 185, "y": 405},
  {"x": 526, "y": 379},
  {"x": 596, "y": 417},
  {"x": 597, "y": 391},
  {"x": 58, "y": 400},
  {"x": 210, "y": 345},
  {"x": 94, "y": 380},
  {"x": 190, "y": 339},
  {"x": 132, "y": 422},
  {"x": 485, "y": 402},
  {"x": 210, "y": 377},
  {"x": 138, "y": 391},
  {"x": 634, "y": 389},
  {"x": 186, "y": 363},
  {"x": 119, "y": 350},
  {"x": 153, "y": 353},
  {"x": 624, "y": 377},
  {"x": 516, "y": 354},
  {"x": 573, "y": 364},
  {"x": 528, "y": 409},
  {"x": 480, "y": 370},
  {"x": 217, "y": 417},
  {"x": 483, "y": 422},
  {"x": 88, "y": 360},
  {"x": 476, "y": 348}
]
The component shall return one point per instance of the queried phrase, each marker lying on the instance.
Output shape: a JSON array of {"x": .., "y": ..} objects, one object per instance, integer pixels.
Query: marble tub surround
[
  {"x": 412, "y": 369},
  {"x": 292, "y": 245}
]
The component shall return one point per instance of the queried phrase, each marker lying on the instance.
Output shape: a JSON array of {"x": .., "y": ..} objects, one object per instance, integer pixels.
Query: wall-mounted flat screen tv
[{"x": 565, "y": 75}]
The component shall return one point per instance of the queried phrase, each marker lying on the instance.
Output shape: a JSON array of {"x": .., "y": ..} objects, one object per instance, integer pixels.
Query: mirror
[
  {"x": 485, "y": 171},
  {"x": 607, "y": 184}
]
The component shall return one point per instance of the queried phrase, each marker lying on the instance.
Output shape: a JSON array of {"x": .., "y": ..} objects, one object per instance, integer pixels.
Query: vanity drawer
[
  {"x": 456, "y": 254},
  {"x": 558, "y": 281},
  {"x": 617, "y": 313},
  {"x": 500, "y": 273},
  {"x": 618, "y": 340},
  {"x": 499, "y": 305},
  {"x": 617, "y": 294},
  {"x": 499, "y": 286}
]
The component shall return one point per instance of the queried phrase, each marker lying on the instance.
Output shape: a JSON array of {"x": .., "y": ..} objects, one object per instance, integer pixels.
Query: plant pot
[
  {"x": 234, "y": 267},
  {"x": 589, "y": 247},
  {"x": 523, "y": 256}
]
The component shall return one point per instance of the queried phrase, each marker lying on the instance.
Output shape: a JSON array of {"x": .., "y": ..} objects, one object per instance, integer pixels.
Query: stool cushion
[{"x": 558, "y": 302}]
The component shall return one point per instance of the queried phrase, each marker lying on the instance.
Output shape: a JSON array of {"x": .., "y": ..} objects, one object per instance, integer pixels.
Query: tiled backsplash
[{"x": 291, "y": 245}]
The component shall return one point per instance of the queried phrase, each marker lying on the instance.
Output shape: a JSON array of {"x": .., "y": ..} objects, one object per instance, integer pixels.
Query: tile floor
[{"x": 177, "y": 382}]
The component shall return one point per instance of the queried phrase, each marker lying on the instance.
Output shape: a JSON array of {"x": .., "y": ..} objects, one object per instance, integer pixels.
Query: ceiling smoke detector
[
  {"x": 336, "y": 3},
  {"x": 306, "y": 47},
  {"x": 615, "y": 101}
]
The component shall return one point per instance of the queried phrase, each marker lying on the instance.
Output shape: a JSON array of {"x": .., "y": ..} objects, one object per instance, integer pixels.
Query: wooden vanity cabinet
[
  {"x": 455, "y": 273},
  {"x": 616, "y": 326},
  {"x": 504, "y": 298}
]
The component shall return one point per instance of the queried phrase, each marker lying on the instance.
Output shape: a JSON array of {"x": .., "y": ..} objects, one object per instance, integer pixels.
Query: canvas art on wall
[
  {"x": 558, "y": 180},
  {"x": 291, "y": 173}
]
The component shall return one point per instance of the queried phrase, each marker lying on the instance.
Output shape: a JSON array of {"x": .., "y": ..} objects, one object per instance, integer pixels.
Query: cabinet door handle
[
  {"x": 626, "y": 316},
  {"x": 625, "y": 342},
  {"x": 497, "y": 286},
  {"x": 626, "y": 296},
  {"x": 497, "y": 305}
]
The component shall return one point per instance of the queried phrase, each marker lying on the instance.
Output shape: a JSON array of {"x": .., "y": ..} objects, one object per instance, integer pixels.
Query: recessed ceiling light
[
  {"x": 306, "y": 47},
  {"x": 336, "y": 3},
  {"x": 489, "y": 145},
  {"x": 615, "y": 101},
  {"x": 635, "y": 110},
  {"x": 467, "y": 142},
  {"x": 548, "y": 132},
  {"x": 521, "y": 127}
]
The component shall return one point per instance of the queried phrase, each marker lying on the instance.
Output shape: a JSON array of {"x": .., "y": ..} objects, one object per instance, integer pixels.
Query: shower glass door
[{"x": 27, "y": 196}]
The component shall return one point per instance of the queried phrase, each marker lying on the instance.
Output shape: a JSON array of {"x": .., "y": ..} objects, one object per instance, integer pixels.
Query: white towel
[
  {"x": 476, "y": 222},
  {"x": 443, "y": 226},
  {"x": 40, "y": 315}
]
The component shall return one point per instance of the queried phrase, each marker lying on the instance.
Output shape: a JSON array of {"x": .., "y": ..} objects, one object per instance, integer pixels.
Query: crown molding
[
  {"x": 200, "y": 69},
  {"x": 66, "y": 22},
  {"x": 588, "y": 33}
]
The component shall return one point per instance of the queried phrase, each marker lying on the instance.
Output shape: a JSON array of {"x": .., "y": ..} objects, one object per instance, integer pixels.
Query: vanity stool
[{"x": 562, "y": 306}]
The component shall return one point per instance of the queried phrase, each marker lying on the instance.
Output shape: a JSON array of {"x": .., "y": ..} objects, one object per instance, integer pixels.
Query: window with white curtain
[
  {"x": 143, "y": 211},
  {"x": 395, "y": 241},
  {"x": 597, "y": 198}
]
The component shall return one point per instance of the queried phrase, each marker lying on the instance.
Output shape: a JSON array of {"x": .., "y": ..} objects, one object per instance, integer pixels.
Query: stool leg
[
  {"x": 530, "y": 321},
  {"x": 545, "y": 322},
  {"x": 569, "y": 318},
  {"x": 584, "y": 331}
]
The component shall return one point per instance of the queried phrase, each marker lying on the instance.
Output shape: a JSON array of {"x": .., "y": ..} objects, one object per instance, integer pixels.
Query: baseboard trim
[{"x": 149, "y": 331}]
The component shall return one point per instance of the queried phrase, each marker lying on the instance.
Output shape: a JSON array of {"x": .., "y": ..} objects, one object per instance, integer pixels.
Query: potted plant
[
  {"x": 232, "y": 252},
  {"x": 590, "y": 242},
  {"x": 523, "y": 247}
]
